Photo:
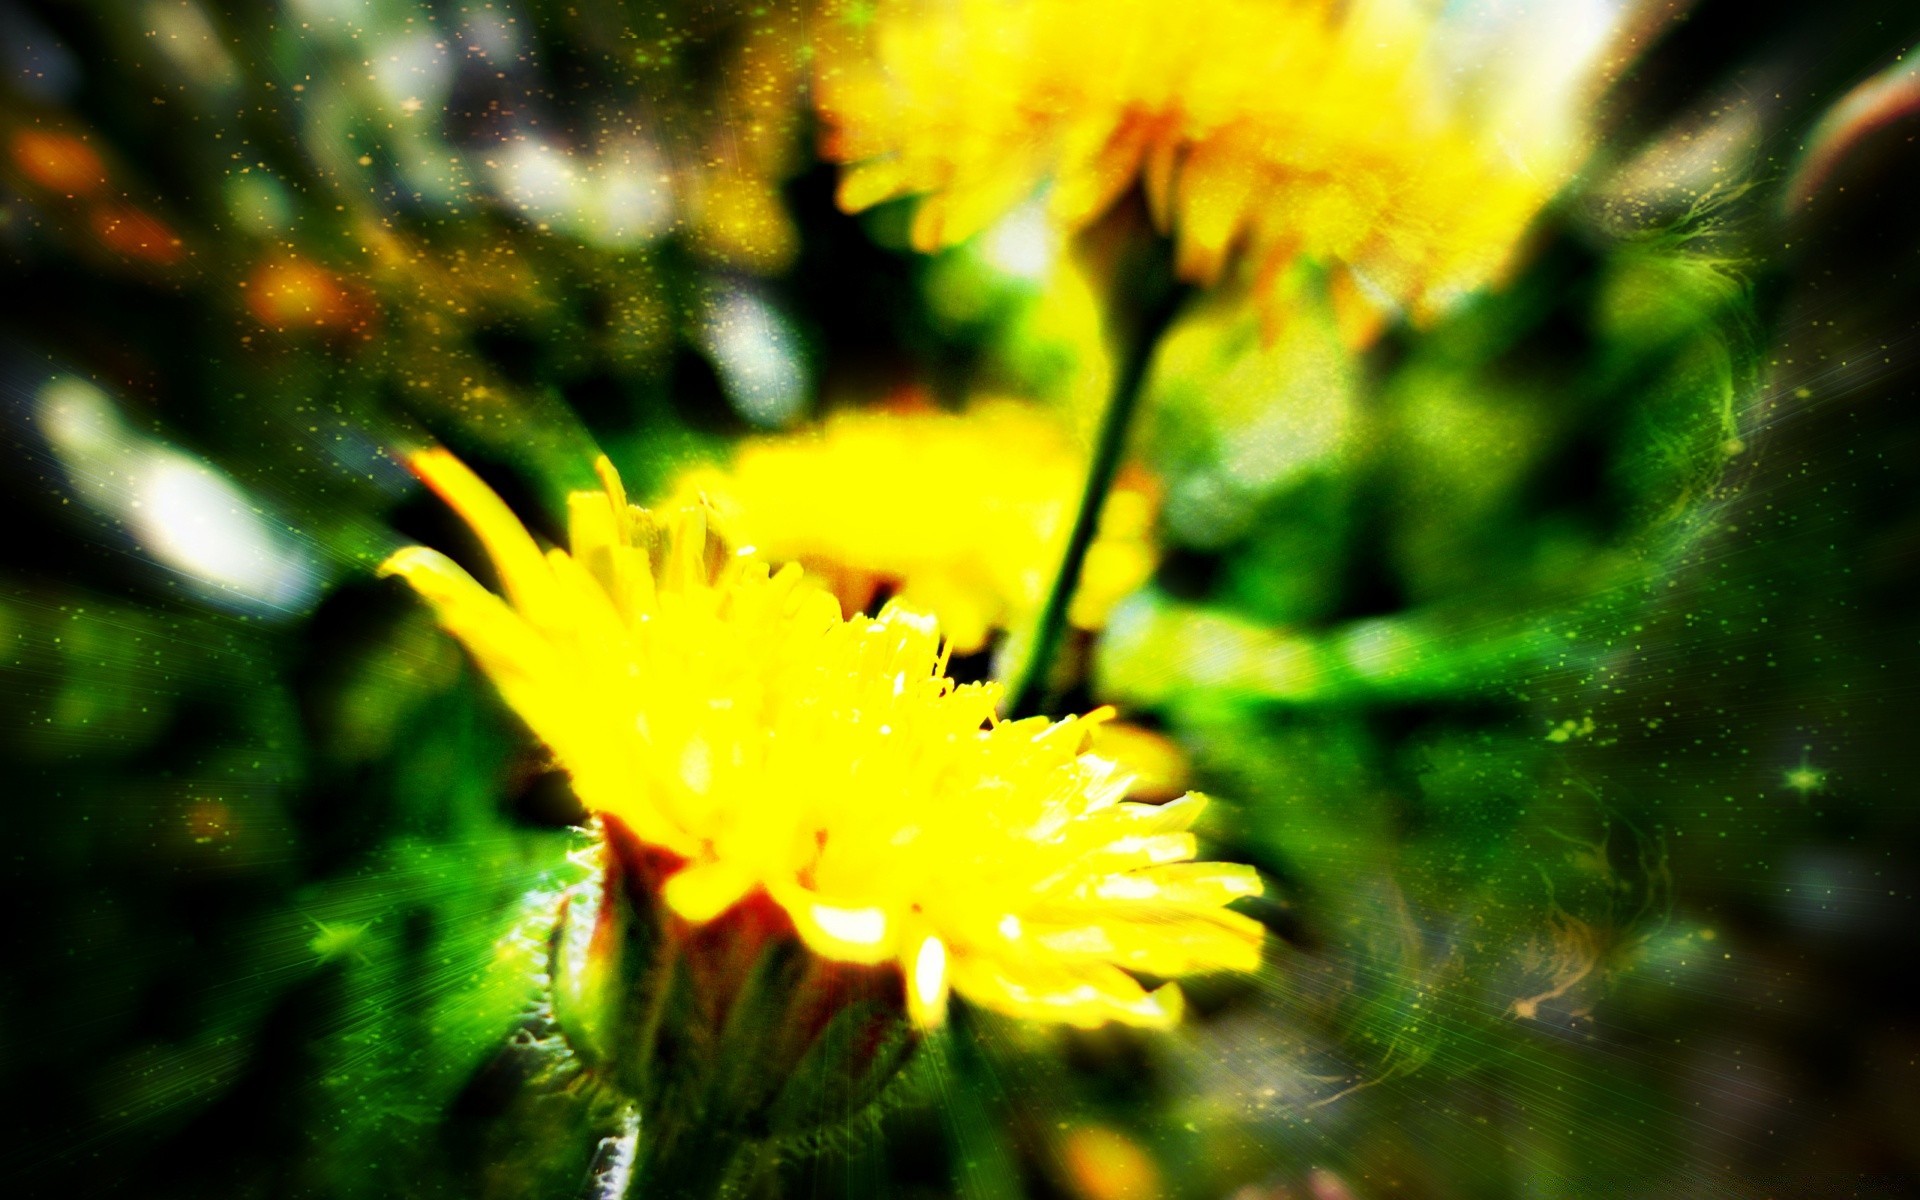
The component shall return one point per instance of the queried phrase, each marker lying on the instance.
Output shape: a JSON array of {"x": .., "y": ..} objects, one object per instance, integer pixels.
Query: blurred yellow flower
[
  {"x": 1101, "y": 1163},
  {"x": 728, "y": 716},
  {"x": 1326, "y": 129},
  {"x": 964, "y": 516}
]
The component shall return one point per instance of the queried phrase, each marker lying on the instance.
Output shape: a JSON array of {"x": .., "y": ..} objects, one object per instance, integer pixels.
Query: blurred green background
[{"x": 1555, "y": 661}]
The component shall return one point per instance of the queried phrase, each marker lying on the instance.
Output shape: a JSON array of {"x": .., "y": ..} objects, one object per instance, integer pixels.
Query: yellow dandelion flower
[
  {"x": 870, "y": 500},
  {"x": 731, "y": 719},
  {"x": 1323, "y": 129}
]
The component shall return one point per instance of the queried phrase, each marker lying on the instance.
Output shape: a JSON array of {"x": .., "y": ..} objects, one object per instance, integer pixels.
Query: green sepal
[{"x": 729, "y": 1037}]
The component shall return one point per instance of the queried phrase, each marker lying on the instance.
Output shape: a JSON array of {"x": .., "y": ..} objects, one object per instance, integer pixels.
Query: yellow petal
[
  {"x": 702, "y": 891},
  {"x": 518, "y": 559},
  {"x": 498, "y": 637},
  {"x": 928, "y": 982},
  {"x": 858, "y": 934}
]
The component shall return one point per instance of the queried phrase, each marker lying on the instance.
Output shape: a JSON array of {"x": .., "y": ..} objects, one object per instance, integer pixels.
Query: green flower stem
[
  {"x": 704, "y": 1162},
  {"x": 1031, "y": 693}
]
